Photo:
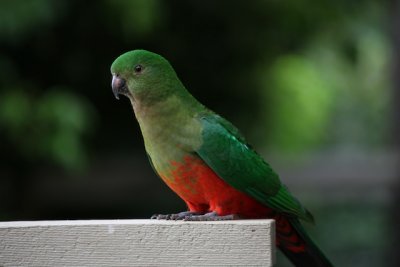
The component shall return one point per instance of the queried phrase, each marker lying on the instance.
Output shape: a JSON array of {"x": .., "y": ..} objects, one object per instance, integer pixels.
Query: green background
[{"x": 310, "y": 83}]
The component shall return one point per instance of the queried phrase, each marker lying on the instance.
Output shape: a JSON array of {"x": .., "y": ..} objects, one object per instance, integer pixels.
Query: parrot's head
[{"x": 143, "y": 76}]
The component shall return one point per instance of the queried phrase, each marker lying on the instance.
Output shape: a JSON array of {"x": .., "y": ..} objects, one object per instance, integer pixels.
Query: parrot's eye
[{"x": 138, "y": 68}]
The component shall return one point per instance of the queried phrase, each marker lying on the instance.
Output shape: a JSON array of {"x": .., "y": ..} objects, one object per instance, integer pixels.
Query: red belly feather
[{"x": 202, "y": 190}]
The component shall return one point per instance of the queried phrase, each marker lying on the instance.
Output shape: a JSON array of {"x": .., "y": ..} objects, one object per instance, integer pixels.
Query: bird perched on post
[{"x": 205, "y": 160}]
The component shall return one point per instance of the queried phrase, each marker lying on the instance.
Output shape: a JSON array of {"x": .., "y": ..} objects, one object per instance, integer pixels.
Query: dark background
[{"x": 312, "y": 84}]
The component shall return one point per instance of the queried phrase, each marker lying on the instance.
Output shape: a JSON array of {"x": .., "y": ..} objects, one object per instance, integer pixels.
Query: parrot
[{"x": 205, "y": 159}]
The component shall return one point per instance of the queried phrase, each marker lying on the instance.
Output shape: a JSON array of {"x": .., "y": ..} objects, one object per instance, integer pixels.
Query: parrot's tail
[{"x": 295, "y": 243}]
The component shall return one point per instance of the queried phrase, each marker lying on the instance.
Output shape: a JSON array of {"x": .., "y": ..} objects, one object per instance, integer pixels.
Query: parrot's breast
[{"x": 203, "y": 191}]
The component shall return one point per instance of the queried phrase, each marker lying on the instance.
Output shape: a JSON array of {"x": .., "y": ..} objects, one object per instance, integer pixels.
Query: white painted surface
[{"x": 137, "y": 243}]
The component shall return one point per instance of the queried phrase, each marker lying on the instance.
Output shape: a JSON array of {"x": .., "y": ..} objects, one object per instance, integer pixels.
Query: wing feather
[{"x": 224, "y": 149}]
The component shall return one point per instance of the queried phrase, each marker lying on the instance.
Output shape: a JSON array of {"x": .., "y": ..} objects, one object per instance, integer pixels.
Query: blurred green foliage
[
  {"x": 335, "y": 91},
  {"x": 19, "y": 20},
  {"x": 50, "y": 127},
  {"x": 302, "y": 122},
  {"x": 136, "y": 19}
]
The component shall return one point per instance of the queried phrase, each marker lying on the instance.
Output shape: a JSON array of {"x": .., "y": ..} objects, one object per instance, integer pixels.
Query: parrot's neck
[{"x": 170, "y": 128}]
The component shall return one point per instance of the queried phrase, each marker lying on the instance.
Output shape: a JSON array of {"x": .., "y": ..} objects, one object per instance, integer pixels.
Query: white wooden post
[{"x": 137, "y": 243}]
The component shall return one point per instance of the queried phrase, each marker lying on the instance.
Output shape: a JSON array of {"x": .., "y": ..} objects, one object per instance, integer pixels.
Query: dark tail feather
[{"x": 295, "y": 243}]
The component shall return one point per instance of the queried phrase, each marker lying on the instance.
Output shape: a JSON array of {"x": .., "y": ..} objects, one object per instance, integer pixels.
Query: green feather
[{"x": 224, "y": 149}]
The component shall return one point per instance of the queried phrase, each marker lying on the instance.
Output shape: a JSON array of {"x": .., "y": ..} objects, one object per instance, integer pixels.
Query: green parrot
[{"x": 205, "y": 160}]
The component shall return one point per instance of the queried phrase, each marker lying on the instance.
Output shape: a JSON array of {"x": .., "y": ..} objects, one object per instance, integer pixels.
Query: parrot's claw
[
  {"x": 178, "y": 216},
  {"x": 160, "y": 217},
  {"x": 211, "y": 216},
  {"x": 184, "y": 214}
]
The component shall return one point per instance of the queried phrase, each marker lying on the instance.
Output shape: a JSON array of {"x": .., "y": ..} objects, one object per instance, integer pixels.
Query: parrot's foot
[
  {"x": 211, "y": 216},
  {"x": 178, "y": 216}
]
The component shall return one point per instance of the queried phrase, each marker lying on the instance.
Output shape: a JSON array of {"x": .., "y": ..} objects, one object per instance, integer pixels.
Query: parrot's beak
[{"x": 118, "y": 86}]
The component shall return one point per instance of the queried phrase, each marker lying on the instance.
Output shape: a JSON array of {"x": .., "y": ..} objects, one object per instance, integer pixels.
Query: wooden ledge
[{"x": 137, "y": 243}]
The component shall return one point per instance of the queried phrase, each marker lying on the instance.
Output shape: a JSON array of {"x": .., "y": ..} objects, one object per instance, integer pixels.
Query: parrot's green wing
[{"x": 226, "y": 152}]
